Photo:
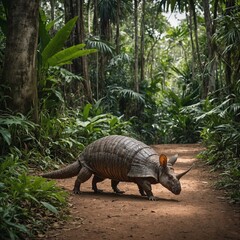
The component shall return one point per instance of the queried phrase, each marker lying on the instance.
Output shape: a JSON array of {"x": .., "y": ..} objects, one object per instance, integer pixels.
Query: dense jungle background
[{"x": 74, "y": 71}]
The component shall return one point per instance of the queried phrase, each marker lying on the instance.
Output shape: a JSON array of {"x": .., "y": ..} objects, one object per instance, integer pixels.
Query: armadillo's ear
[{"x": 163, "y": 160}]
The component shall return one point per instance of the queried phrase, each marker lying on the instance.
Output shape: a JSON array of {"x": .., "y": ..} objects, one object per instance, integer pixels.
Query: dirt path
[{"x": 199, "y": 212}]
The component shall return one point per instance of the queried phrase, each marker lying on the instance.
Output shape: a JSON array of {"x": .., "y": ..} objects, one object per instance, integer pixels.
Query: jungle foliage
[{"x": 118, "y": 68}]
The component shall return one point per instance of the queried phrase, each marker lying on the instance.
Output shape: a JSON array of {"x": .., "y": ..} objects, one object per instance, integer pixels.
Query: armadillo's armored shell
[{"x": 119, "y": 157}]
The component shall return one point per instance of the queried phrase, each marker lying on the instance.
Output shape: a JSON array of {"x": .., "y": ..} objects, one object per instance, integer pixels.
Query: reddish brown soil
[{"x": 199, "y": 212}]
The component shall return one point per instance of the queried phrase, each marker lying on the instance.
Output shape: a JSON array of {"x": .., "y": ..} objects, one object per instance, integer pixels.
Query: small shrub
[{"x": 15, "y": 130}]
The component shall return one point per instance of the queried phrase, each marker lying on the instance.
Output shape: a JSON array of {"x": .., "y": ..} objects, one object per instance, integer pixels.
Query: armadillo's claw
[
  {"x": 152, "y": 198},
  {"x": 76, "y": 191}
]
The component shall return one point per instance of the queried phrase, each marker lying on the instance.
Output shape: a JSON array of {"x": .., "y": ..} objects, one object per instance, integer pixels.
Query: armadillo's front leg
[
  {"x": 141, "y": 191},
  {"x": 145, "y": 186},
  {"x": 114, "y": 184},
  {"x": 83, "y": 176}
]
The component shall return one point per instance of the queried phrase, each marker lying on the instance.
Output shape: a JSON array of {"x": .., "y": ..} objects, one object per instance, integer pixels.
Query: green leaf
[
  {"x": 50, "y": 207},
  {"x": 58, "y": 95},
  {"x": 68, "y": 54},
  {"x": 43, "y": 33},
  {"x": 100, "y": 118},
  {"x": 86, "y": 111},
  {"x": 57, "y": 42},
  {"x": 82, "y": 124},
  {"x": 29, "y": 196},
  {"x": 6, "y": 135},
  {"x": 21, "y": 227},
  {"x": 51, "y": 23},
  {"x": 113, "y": 122}
]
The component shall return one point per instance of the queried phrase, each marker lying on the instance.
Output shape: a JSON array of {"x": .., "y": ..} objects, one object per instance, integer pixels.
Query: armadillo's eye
[{"x": 170, "y": 177}]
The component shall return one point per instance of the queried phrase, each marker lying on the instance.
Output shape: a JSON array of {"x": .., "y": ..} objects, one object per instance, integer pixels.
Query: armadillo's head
[{"x": 167, "y": 177}]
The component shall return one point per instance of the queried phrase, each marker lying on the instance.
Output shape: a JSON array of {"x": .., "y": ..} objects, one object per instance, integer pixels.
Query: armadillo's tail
[{"x": 67, "y": 172}]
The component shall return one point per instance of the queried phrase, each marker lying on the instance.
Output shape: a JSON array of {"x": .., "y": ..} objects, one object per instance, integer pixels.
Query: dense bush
[
  {"x": 28, "y": 203},
  {"x": 15, "y": 130},
  {"x": 166, "y": 120},
  {"x": 220, "y": 134},
  {"x": 64, "y": 137}
]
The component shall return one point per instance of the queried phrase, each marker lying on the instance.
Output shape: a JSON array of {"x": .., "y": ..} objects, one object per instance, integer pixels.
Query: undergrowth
[
  {"x": 28, "y": 203},
  {"x": 220, "y": 123}
]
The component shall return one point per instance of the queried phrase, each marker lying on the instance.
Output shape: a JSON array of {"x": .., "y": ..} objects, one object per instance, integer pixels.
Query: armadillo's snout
[{"x": 176, "y": 190}]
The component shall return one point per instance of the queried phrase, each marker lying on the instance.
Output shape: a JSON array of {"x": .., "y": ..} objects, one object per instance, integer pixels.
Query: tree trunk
[
  {"x": 136, "y": 82},
  {"x": 96, "y": 33},
  {"x": 70, "y": 7},
  {"x": 192, "y": 9},
  {"x": 84, "y": 62},
  {"x": 80, "y": 66},
  {"x": 190, "y": 27},
  {"x": 143, "y": 42},
  {"x": 230, "y": 55},
  {"x": 52, "y": 4},
  {"x": 95, "y": 18},
  {"x": 118, "y": 28},
  {"x": 200, "y": 67},
  {"x": 19, "y": 71},
  {"x": 211, "y": 48},
  {"x": 105, "y": 35}
]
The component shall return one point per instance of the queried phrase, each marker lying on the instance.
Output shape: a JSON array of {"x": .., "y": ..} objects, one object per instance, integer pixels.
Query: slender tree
[
  {"x": 19, "y": 71},
  {"x": 105, "y": 10},
  {"x": 230, "y": 36},
  {"x": 80, "y": 66},
  {"x": 190, "y": 28},
  {"x": 118, "y": 28},
  {"x": 83, "y": 60},
  {"x": 136, "y": 80},
  {"x": 210, "y": 81},
  {"x": 195, "y": 24},
  {"x": 95, "y": 18},
  {"x": 143, "y": 42},
  {"x": 52, "y": 4}
]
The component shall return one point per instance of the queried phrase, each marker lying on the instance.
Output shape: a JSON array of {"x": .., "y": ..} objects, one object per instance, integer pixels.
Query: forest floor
[{"x": 199, "y": 212}]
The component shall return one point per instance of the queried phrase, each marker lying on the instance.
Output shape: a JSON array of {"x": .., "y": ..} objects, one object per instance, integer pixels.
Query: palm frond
[
  {"x": 102, "y": 46},
  {"x": 121, "y": 58},
  {"x": 127, "y": 94}
]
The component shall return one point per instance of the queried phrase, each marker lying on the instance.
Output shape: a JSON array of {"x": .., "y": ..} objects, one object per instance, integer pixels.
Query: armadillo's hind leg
[
  {"x": 83, "y": 176},
  {"x": 114, "y": 184},
  {"x": 96, "y": 180}
]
